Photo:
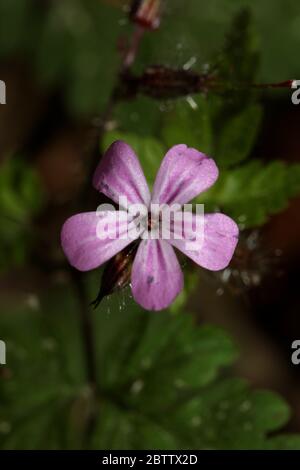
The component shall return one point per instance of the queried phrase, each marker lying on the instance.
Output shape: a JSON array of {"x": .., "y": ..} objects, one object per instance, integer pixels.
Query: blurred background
[{"x": 214, "y": 371}]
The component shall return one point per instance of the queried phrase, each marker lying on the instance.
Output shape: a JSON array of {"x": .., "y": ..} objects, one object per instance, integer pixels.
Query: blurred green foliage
[
  {"x": 239, "y": 58},
  {"x": 196, "y": 29},
  {"x": 21, "y": 197},
  {"x": 159, "y": 381},
  {"x": 73, "y": 42},
  {"x": 70, "y": 43},
  {"x": 251, "y": 193}
]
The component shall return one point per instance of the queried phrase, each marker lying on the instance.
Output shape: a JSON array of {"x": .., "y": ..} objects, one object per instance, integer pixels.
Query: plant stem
[
  {"x": 132, "y": 51},
  {"x": 86, "y": 329},
  {"x": 85, "y": 313}
]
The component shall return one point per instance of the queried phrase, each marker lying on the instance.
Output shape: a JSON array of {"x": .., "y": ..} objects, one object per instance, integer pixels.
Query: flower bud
[{"x": 117, "y": 272}]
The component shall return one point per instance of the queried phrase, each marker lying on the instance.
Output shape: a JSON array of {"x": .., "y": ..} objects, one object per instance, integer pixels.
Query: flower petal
[
  {"x": 83, "y": 241},
  {"x": 215, "y": 248},
  {"x": 156, "y": 275},
  {"x": 119, "y": 173},
  {"x": 183, "y": 174}
]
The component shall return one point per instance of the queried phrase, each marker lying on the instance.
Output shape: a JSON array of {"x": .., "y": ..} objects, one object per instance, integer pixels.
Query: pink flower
[{"x": 156, "y": 277}]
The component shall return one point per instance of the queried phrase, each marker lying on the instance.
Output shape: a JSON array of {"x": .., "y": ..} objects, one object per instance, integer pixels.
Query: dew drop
[
  {"x": 122, "y": 21},
  {"x": 225, "y": 276},
  {"x": 252, "y": 240},
  {"x": 196, "y": 421},
  {"x": 220, "y": 291},
  {"x": 190, "y": 100},
  {"x": 189, "y": 64},
  {"x": 5, "y": 427},
  {"x": 242, "y": 218},
  {"x": 256, "y": 279},
  {"x": 108, "y": 310},
  {"x": 246, "y": 278},
  {"x": 33, "y": 302},
  {"x": 179, "y": 383},
  {"x": 137, "y": 386},
  {"x": 245, "y": 406},
  {"x": 49, "y": 344}
]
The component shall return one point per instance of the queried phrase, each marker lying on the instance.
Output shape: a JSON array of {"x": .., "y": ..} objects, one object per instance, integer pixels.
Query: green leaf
[
  {"x": 185, "y": 125},
  {"x": 252, "y": 193},
  {"x": 214, "y": 128},
  {"x": 238, "y": 136},
  {"x": 238, "y": 61},
  {"x": 229, "y": 415},
  {"x": 141, "y": 116},
  {"x": 284, "y": 442},
  {"x": 157, "y": 377},
  {"x": 45, "y": 348}
]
